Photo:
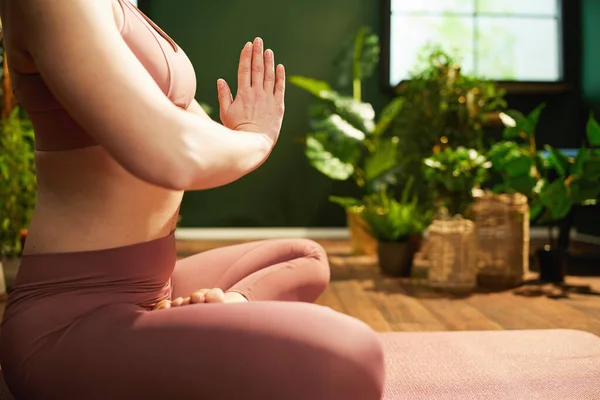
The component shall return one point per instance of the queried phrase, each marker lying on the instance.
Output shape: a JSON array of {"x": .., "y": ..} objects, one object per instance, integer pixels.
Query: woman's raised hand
[{"x": 259, "y": 102}]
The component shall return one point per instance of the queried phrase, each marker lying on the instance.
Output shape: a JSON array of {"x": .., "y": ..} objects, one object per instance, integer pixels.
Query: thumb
[{"x": 224, "y": 93}]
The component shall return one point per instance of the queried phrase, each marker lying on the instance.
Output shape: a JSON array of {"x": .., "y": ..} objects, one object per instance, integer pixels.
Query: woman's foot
[{"x": 214, "y": 295}]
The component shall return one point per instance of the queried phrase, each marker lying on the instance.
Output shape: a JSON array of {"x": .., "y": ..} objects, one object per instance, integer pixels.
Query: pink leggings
[{"x": 79, "y": 325}]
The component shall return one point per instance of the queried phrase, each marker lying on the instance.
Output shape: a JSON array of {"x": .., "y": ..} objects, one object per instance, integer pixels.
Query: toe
[
  {"x": 177, "y": 302},
  {"x": 197, "y": 297},
  {"x": 215, "y": 295},
  {"x": 163, "y": 305}
]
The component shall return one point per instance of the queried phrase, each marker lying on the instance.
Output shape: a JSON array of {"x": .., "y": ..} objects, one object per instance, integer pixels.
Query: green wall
[
  {"x": 591, "y": 52},
  {"x": 306, "y": 36}
]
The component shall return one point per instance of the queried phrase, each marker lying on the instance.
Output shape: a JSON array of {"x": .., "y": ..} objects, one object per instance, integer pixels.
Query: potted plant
[
  {"x": 347, "y": 142},
  {"x": 444, "y": 108},
  {"x": 393, "y": 223},
  {"x": 553, "y": 182},
  {"x": 453, "y": 174}
]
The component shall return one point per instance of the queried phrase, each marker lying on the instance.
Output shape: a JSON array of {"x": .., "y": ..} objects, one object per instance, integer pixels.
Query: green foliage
[
  {"x": 388, "y": 219},
  {"x": 346, "y": 140},
  {"x": 443, "y": 107},
  {"x": 552, "y": 181},
  {"x": 17, "y": 181},
  {"x": 453, "y": 174}
]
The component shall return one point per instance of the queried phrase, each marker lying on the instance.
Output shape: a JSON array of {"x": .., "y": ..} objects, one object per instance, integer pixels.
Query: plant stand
[
  {"x": 552, "y": 264},
  {"x": 361, "y": 241},
  {"x": 395, "y": 258},
  {"x": 452, "y": 255},
  {"x": 502, "y": 231}
]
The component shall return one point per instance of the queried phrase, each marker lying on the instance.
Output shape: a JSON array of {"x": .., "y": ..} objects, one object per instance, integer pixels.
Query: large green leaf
[
  {"x": 583, "y": 190},
  {"x": 360, "y": 115},
  {"x": 359, "y": 57},
  {"x": 593, "y": 131},
  {"x": 558, "y": 161},
  {"x": 315, "y": 87},
  {"x": 325, "y": 162},
  {"x": 383, "y": 159},
  {"x": 516, "y": 163},
  {"x": 591, "y": 168},
  {"x": 582, "y": 156},
  {"x": 388, "y": 115},
  {"x": 555, "y": 198},
  {"x": 338, "y": 128},
  {"x": 348, "y": 203}
]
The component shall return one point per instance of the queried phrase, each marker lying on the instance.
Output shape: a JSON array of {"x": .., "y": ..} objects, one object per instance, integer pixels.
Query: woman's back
[{"x": 86, "y": 200}]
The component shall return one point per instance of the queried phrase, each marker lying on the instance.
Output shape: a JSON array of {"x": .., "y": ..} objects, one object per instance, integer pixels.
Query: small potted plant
[
  {"x": 453, "y": 174},
  {"x": 553, "y": 182},
  {"x": 394, "y": 223}
]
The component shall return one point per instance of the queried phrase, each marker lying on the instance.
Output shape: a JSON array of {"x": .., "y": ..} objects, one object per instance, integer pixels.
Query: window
[{"x": 502, "y": 40}]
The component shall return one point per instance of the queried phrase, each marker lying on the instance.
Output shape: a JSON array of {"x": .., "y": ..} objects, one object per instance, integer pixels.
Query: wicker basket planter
[
  {"x": 502, "y": 230},
  {"x": 361, "y": 241},
  {"x": 451, "y": 252}
]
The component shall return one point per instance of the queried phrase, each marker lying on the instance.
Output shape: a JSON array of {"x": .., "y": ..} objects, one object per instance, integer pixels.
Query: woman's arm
[{"x": 85, "y": 62}]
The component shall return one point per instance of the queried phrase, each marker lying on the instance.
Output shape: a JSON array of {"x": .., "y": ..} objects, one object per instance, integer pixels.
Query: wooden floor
[{"x": 390, "y": 304}]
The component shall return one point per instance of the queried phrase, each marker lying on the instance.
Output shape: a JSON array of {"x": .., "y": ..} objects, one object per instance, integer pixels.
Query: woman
[{"x": 100, "y": 308}]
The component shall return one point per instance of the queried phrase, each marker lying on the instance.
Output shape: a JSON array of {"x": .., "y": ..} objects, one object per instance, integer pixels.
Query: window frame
[{"x": 570, "y": 53}]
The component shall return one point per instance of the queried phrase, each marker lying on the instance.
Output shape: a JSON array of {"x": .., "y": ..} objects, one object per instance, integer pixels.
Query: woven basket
[
  {"x": 502, "y": 230},
  {"x": 451, "y": 252}
]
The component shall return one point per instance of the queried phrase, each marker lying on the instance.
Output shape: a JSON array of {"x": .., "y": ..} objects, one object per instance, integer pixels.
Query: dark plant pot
[
  {"x": 395, "y": 258},
  {"x": 416, "y": 241},
  {"x": 552, "y": 264}
]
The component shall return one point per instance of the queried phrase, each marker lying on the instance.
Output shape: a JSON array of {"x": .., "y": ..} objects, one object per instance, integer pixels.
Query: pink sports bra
[{"x": 56, "y": 130}]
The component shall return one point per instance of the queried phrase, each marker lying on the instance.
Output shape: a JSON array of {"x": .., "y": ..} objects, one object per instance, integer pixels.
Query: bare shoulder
[{"x": 25, "y": 22}]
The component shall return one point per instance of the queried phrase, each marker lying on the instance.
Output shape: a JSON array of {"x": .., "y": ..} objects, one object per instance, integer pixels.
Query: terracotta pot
[
  {"x": 395, "y": 258},
  {"x": 361, "y": 241}
]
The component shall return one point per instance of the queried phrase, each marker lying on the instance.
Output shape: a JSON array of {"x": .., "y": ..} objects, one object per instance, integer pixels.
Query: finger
[
  {"x": 203, "y": 291},
  {"x": 245, "y": 67},
  {"x": 197, "y": 297},
  {"x": 186, "y": 301},
  {"x": 225, "y": 97},
  {"x": 269, "y": 71},
  {"x": 258, "y": 63},
  {"x": 215, "y": 296},
  {"x": 280, "y": 83}
]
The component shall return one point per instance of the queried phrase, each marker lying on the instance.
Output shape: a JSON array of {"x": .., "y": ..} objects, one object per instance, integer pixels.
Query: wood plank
[
  {"x": 402, "y": 311},
  {"x": 508, "y": 311},
  {"x": 459, "y": 315},
  {"x": 359, "y": 305},
  {"x": 329, "y": 298}
]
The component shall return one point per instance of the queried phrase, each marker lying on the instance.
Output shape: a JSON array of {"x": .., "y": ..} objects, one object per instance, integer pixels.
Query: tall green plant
[
  {"x": 347, "y": 139},
  {"x": 443, "y": 107},
  {"x": 552, "y": 181}
]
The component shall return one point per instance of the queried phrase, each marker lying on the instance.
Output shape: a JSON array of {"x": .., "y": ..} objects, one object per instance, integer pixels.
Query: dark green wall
[
  {"x": 306, "y": 36},
  {"x": 591, "y": 51}
]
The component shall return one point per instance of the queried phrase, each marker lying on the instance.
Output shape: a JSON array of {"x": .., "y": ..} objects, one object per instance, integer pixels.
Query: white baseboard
[{"x": 314, "y": 233}]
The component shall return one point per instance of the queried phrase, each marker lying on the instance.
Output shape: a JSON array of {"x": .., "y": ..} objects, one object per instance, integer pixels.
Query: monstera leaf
[
  {"x": 358, "y": 58},
  {"x": 324, "y": 160},
  {"x": 383, "y": 159},
  {"x": 358, "y": 114}
]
